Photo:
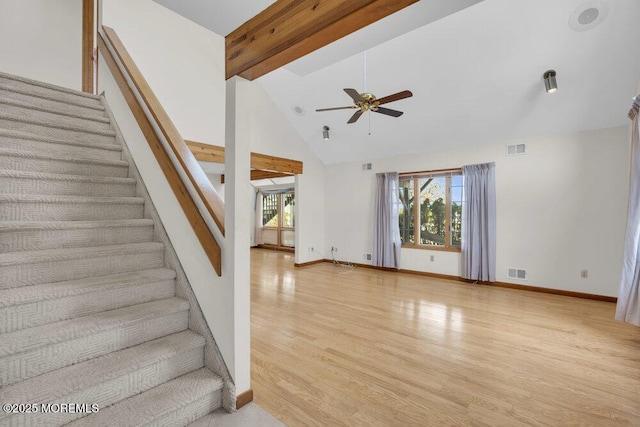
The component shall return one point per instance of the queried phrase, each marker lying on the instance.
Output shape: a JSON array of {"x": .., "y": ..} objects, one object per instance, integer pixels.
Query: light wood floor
[{"x": 336, "y": 347}]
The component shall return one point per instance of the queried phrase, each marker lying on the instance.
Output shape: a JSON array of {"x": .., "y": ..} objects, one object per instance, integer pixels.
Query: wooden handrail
[
  {"x": 182, "y": 152},
  {"x": 198, "y": 178}
]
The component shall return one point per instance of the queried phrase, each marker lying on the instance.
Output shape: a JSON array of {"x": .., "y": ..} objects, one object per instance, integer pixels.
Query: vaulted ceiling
[{"x": 474, "y": 67}]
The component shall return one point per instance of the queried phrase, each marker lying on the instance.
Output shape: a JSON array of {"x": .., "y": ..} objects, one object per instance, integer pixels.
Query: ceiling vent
[
  {"x": 516, "y": 149},
  {"x": 516, "y": 273}
]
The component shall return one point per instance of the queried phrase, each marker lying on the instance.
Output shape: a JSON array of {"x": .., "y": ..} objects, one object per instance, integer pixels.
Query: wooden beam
[
  {"x": 189, "y": 206},
  {"x": 258, "y": 174},
  {"x": 275, "y": 164},
  {"x": 88, "y": 40},
  {"x": 263, "y": 162},
  {"x": 290, "y": 29},
  {"x": 206, "y": 152}
]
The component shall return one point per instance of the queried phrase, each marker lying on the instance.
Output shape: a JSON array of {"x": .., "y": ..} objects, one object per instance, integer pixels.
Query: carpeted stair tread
[
  {"x": 157, "y": 405},
  {"x": 92, "y": 110},
  {"x": 43, "y": 207},
  {"x": 62, "y": 382},
  {"x": 8, "y": 152},
  {"x": 50, "y": 291},
  {"x": 49, "y": 96},
  {"x": 70, "y": 225},
  {"x": 63, "y": 123},
  {"x": 52, "y": 87},
  {"x": 66, "y": 330},
  {"x": 55, "y": 255},
  {"x": 4, "y": 173},
  {"x": 29, "y": 306},
  {"x": 47, "y": 183},
  {"x": 19, "y": 104},
  {"x": 16, "y": 236},
  {"x": 44, "y": 198},
  {"x": 47, "y": 91},
  {"x": 29, "y": 136}
]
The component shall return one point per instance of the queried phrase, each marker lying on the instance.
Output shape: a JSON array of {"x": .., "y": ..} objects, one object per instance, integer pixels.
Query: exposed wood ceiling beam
[
  {"x": 206, "y": 152},
  {"x": 290, "y": 29},
  {"x": 263, "y": 162}
]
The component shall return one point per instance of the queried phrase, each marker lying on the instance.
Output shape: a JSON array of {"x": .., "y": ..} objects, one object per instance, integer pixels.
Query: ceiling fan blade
[
  {"x": 395, "y": 97},
  {"x": 388, "y": 112},
  {"x": 354, "y": 94},
  {"x": 355, "y": 116},
  {"x": 337, "y": 108}
]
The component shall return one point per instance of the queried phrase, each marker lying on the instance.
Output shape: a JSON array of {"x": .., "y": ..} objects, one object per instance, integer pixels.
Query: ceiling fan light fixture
[
  {"x": 325, "y": 132},
  {"x": 550, "y": 83}
]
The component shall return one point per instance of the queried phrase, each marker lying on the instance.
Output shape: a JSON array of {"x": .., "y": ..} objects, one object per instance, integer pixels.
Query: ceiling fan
[{"x": 368, "y": 102}]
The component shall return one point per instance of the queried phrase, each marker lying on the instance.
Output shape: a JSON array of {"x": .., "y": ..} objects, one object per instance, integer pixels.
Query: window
[{"x": 431, "y": 209}]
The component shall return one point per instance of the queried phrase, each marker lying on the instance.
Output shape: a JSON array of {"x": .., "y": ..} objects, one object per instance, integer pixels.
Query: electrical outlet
[
  {"x": 584, "y": 274},
  {"x": 310, "y": 248},
  {"x": 432, "y": 258}
]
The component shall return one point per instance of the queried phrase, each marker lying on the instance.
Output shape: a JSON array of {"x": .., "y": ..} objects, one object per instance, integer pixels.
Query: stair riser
[
  {"x": 50, "y": 104},
  {"x": 53, "y": 310},
  {"x": 60, "y": 150},
  {"x": 34, "y": 240},
  {"x": 29, "y": 211},
  {"x": 51, "y": 116},
  {"x": 44, "y": 92},
  {"x": 51, "y": 132},
  {"x": 191, "y": 412},
  {"x": 12, "y": 276},
  {"x": 44, "y": 359},
  {"x": 66, "y": 187},
  {"x": 63, "y": 167}
]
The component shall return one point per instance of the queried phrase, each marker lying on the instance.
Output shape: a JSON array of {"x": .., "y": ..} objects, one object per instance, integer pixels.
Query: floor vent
[
  {"x": 516, "y": 149},
  {"x": 516, "y": 273}
]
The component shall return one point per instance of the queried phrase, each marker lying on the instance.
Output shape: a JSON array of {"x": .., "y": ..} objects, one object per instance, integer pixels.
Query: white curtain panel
[
  {"x": 386, "y": 228},
  {"x": 479, "y": 223},
  {"x": 628, "y": 308}
]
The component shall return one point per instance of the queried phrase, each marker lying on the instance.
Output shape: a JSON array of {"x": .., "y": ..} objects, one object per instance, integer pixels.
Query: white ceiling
[
  {"x": 476, "y": 76},
  {"x": 221, "y": 17}
]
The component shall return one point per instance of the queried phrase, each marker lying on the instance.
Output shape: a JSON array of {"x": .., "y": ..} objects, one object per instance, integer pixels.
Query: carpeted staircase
[{"x": 88, "y": 306}]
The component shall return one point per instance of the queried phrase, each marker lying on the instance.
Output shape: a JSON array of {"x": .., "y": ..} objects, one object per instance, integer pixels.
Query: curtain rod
[{"x": 430, "y": 171}]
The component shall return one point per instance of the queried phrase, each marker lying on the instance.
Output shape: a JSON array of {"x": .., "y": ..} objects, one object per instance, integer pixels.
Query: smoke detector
[
  {"x": 588, "y": 15},
  {"x": 298, "y": 110}
]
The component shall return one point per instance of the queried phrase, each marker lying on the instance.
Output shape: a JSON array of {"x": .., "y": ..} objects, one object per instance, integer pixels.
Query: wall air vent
[
  {"x": 516, "y": 273},
  {"x": 516, "y": 149},
  {"x": 366, "y": 166}
]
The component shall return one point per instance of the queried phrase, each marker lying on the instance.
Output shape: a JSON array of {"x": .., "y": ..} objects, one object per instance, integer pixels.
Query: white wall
[
  {"x": 42, "y": 40},
  {"x": 549, "y": 203},
  {"x": 184, "y": 65},
  {"x": 182, "y": 62},
  {"x": 270, "y": 133}
]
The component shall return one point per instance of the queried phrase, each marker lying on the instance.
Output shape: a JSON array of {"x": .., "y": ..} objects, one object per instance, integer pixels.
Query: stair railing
[{"x": 188, "y": 181}]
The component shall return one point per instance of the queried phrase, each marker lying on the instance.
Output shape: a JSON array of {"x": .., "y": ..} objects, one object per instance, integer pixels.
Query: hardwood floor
[{"x": 332, "y": 347}]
